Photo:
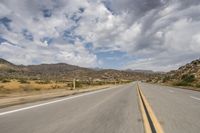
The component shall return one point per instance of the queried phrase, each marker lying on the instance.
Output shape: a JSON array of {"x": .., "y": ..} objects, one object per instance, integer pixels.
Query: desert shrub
[
  {"x": 188, "y": 78},
  {"x": 127, "y": 81},
  {"x": 23, "y": 81},
  {"x": 198, "y": 85},
  {"x": 43, "y": 82},
  {"x": 29, "y": 88},
  {"x": 69, "y": 85},
  {"x": 37, "y": 89},
  {"x": 11, "y": 71},
  {"x": 55, "y": 86},
  {"x": 4, "y": 90},
  {"x": 5, "y": 81},
  {"x": 182, "y": 83},
  {"x": 149, "y": 80},
  {"x": 165, "y": 79},
  {"x": 34, "y": 78},
  {"x": 99, "y": 83},
  {"x": 78, "y": 84}
]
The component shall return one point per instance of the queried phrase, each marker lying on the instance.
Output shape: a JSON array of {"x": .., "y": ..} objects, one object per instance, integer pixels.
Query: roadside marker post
[{"x": 74, "y": 84}]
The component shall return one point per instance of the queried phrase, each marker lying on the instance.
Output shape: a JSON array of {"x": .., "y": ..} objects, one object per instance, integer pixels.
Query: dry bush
[
  {"x": 29, "y": 88},
  {"x": 23, "y": 81},
  {"x": 5, "y": 81},
  {"x": 4, "y": 90}
]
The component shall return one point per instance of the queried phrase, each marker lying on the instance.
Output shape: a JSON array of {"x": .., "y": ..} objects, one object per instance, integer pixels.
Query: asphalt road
[
  {"x": 113, "y": 110},
  {"x": 108, "y": 111},
  {"x": 178, "y": 110}
]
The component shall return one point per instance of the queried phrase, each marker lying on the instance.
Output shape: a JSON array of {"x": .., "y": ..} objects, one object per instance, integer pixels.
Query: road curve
[{"x": 109, "y": 111}]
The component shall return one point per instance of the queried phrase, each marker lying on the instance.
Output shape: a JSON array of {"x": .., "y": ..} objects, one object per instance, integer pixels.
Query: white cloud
[
  {"x": 162, "y": 35},
  {"x": 73, "y": 54},
  {"x": 28, "y": 15}
]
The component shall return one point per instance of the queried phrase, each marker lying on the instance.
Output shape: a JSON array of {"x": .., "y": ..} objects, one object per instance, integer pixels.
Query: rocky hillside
[
  {"x": 192, "y": 68},
  {"x": 62, "y": 71},
  {"x": 187, "y": 75}
]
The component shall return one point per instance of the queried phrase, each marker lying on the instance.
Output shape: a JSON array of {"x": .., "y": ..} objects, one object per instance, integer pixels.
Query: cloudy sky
[{"x": 138, "y": 34}]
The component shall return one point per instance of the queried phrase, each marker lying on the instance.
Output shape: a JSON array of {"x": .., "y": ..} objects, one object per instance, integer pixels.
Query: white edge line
[
  {"x": 195, "y": 98},
  {"x": 47, "y": 103}
]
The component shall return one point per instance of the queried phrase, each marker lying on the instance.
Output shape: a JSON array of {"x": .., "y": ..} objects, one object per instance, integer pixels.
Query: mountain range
[
  {"x": 186, "y": 75},
  {"x": 63, "y": 71}
]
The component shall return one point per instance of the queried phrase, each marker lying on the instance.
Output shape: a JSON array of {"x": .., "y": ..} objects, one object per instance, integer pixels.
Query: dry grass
[
  {"x": 24, "y": 87},
  {"x": 12, "y": 85},
  {"x": 16, "y": 86}
]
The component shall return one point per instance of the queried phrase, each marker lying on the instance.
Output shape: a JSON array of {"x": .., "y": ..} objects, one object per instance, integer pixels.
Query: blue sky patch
[
  {"x": 88, "y": 45},
  {"x": 113, "y": 59},
  {"x": 2, "y": 40},
  {"x": 75, "y": 17},
  {"x": 81, "y": 10},
  {"x": 107, "y": 4},
  {"x": 68, "y": 36},
  {"x": 47, "y": 13},
  {"x": 47, "y": 39},
  {"x": 27, "y": 35},
  {"x": 5, "y": 22}
]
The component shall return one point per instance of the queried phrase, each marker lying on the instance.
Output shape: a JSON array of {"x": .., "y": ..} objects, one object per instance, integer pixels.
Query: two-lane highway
[
  {"x": 108, "y": 111},
  {"x": 114, "y": 110}
]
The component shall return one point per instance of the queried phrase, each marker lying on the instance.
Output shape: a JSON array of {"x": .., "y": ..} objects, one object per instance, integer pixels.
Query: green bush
[
  {"x": 198, "y": 85},
  {"x": 11, "y": 71},
  {"x": 98, "y": 83},
  {"x": 182, "y": 83},
  {"x": 188, "y": 78},
  {"x": 78, "y": 84},
  {"x": 165, "y": 79}
]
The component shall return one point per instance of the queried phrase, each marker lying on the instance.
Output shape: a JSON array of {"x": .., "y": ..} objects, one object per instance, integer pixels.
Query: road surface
[
  {"x": 108, "y": 111},
  {"x": 178, "y": 110},
  {"x": 114, "y": 110}
]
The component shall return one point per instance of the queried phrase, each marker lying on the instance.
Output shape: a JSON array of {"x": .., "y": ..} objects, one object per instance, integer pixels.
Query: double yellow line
[{"x": 151, "y": 123}]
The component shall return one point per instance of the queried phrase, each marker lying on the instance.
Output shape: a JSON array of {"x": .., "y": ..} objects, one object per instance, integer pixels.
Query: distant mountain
[
  {"x": 140, "y": 71},
  {"x": 7, "y": 66},
  {"x": 2, "y": 61},
  {"x": 62, "y": 71},
  {"x": 54, "y": 68}
]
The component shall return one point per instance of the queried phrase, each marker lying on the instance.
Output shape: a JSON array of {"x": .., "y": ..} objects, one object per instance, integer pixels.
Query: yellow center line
[
  {"x": 144, "y": 116},
  {"x": 151, "y": 123}
]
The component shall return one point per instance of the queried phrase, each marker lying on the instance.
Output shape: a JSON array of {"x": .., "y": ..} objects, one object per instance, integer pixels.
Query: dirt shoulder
[{"x": 44, "y": 95}]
